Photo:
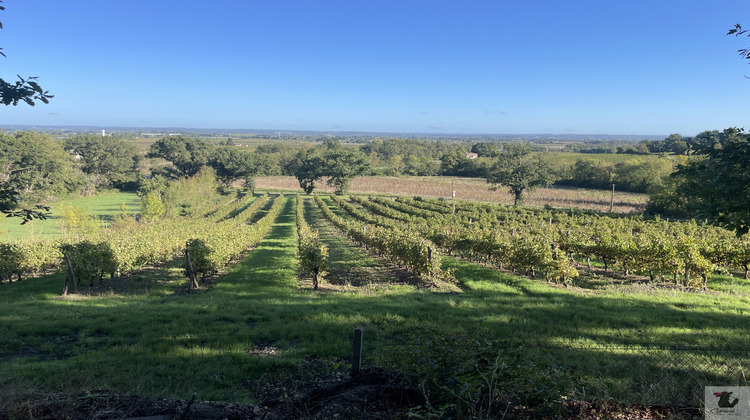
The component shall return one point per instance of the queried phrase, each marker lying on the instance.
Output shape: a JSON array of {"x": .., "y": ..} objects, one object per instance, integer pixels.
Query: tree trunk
[
  {"x": 315, "y": 279},
  {"x": 517, "y": 194}
]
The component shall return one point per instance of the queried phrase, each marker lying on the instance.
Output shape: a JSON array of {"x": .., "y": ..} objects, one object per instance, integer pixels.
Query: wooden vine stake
[
  {"x": 70, "y": 276},
  {"x": 357, "y": 352},
  {"x": 192, "y": 279}
]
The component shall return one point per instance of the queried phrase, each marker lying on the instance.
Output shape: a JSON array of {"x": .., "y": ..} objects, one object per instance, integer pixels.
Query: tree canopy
[
  {"x": 112, "y": 161},
  {"x": 716, "y": 183},
  {"x": 520, "y": 170},
  {"x": 32, "y": 168},
  {"x": 330, "y": 160},
  {"x": 187, "y": 154},
  {"x": 231, "y": 164}
]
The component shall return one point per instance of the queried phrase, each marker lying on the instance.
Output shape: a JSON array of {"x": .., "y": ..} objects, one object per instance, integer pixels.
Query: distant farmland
[{"x": 474, "y": 189}]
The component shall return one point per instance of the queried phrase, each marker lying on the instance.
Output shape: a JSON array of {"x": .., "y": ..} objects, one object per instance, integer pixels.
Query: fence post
[
  {"x": 192, "y": 280},
  {"x": 357, "y": 353},
  {"x": 70, "y": 276}
]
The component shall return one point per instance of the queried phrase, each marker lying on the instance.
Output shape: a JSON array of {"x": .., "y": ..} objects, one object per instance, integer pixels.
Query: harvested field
[{"x": 472, "y": 189}]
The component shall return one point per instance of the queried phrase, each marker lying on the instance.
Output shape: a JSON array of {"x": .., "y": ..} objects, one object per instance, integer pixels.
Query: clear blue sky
[{"x": 574, "y": 67}]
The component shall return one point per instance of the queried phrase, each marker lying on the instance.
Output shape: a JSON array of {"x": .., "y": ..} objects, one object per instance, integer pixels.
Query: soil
[{"x": 373, "y": 394}]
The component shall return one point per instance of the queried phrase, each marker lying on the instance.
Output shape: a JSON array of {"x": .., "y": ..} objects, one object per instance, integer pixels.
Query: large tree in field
[
  {"x": 187, "y": 154},
  {"x": 520, "y": 170},
  {"x": 332, "y": 160},
  {"x": 716, "y": 181},
  {"x": 232, "y": 164}
]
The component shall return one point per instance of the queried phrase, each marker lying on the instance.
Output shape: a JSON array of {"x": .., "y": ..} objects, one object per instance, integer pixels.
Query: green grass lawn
[
  {"x": 102, "y": 206},
  {"x": 256, "y": 329}
]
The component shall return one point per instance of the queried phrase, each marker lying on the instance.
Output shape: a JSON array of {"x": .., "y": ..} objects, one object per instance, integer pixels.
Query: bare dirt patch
[{"x": 374, "y": 394}]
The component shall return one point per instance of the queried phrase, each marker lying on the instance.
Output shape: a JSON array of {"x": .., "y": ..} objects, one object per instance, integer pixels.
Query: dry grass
[{"x": 474, "y": 189}]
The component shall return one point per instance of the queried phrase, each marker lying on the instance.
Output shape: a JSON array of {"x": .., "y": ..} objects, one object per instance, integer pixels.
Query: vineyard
[{"x": 491, "y": 290}]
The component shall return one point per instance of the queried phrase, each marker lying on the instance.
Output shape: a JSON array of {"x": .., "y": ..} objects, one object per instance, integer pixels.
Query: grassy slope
[
  {"x": 103, "y": 206},
  {"x": 255, "y": 325}
]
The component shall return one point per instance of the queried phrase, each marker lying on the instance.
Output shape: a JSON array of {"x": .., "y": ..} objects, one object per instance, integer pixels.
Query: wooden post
[
  {"x": 357, "y": 353},
  {"x": 70, "y": 277},
  {"x": 612, "y": 200},
  {"x": 192, "y": 280}
]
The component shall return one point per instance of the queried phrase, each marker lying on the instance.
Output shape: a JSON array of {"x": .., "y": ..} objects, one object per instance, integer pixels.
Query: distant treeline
[{"x": 40, "y": 167}]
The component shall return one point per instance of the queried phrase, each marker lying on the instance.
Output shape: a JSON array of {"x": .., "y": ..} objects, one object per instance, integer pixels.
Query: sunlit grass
[{"x": 103, "y": 207}]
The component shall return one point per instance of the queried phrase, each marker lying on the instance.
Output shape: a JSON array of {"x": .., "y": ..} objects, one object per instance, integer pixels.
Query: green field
[
  {"x": 259, "y": 326},
  {"x": 611, "y": 158},
  {"x": 103, "y": 206}
]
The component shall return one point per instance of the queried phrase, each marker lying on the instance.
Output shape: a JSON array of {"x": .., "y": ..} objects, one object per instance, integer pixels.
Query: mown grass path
[{"x": 348, "y": 264}]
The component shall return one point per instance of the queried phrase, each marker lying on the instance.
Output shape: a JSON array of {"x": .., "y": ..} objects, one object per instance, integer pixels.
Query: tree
[
  {"x": 485, "y": 149},
  {"x": 152, "y": 206},
  {"x": 32, "y": 168},
  {"x": 26, "y": 90},
  {"x": 342, "y": 164},
  {"x": 716, "y": 182},
  {"x": 187, "y": 154},
  {"x": 455, "y": 163},
  {"x": 520, "y": 170},
  {"x": 308, "y": 168},
  {"x": 112, "y": 161},
  {"x": 233, "y": 164},
  {"x": 331, "y": 160}
]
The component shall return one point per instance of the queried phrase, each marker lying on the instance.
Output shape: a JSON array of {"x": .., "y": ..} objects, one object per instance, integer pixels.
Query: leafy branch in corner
[
  {"x": 27, "y": 90},
  {"x": 738, "y": 31},
  {"x": 9, "y": 196}
]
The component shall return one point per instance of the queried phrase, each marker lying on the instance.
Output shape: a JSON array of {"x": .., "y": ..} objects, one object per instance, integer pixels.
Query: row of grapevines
[
  {"x": 381, "y": 210},
  {"x": 116, "y": 251},
  {"x": 401, "y": 246},
  {"x": 313, "y": 253},
  {"x": 213, "y": 211},
  {"x": 360, "y": 214},
  {"x": 525, "y": 239},
  {"x": 22, "y": 257},
  {"x": 25, "y": 257},
  {"x": 217, "y": 245},
  {"x": 227, "y": 208}
]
